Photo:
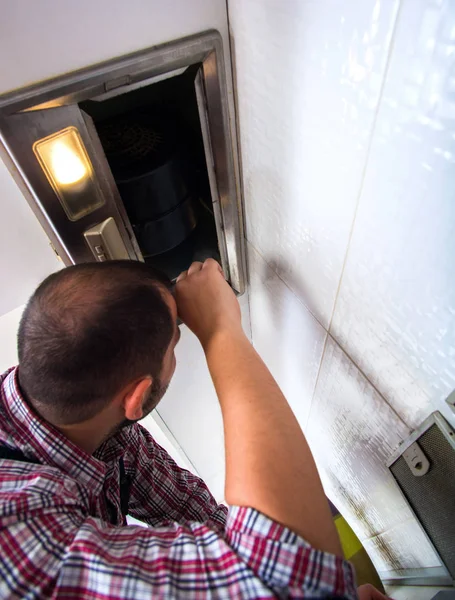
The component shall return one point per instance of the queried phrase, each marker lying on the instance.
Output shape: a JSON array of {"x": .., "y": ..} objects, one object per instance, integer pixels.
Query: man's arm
[{"x": 269, "y": 465}]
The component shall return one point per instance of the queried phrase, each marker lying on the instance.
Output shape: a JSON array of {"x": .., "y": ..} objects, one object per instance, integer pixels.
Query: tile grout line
[
  {"x": 326, "y": 336},
  {"x": 370, "y": 382},
  {"x": 359, "y": 196},
  {"x": 317, "y": 379},
  {"x": 328, "y": 329},
  {"x": 376, "y": 535},
  {"x": 367, "y": 158},
  {"x": 173, "y": 440},
  {"x": 288, "y": 286}
]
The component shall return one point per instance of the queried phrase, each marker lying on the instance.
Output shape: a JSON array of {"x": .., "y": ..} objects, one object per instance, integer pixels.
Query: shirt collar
[{"x": 38, "y": 439}]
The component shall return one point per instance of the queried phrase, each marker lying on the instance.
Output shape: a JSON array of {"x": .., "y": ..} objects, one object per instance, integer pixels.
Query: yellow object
[
  {"x": 68, "y": 168},
  {"x": 349, "y": 541}
]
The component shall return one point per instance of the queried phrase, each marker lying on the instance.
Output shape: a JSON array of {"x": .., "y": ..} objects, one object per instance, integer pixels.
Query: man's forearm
[{"x": 269, "y": 465}]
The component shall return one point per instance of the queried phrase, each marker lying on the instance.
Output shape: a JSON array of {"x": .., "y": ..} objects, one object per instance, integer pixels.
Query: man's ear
[{"x": 134, "y": 397}]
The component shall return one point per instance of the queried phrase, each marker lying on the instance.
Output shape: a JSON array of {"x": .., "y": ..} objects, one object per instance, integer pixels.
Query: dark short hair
[{"x": 89, "y": 330}]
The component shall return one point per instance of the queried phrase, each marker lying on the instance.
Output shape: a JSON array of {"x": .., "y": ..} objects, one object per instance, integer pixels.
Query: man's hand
[
  {"x": 369, "y": 592},
  {"x": 205, "y": 302}
]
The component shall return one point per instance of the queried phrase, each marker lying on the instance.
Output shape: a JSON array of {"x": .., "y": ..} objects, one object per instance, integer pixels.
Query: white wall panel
[
  {"x": 9, "y": 324},
  {"x": 309, "y": 76},
  {"x": 346, "y": 123},
  {"x": 162, "y": 436},
  {"x": 286, "y": 335},
  {"x": 392, "y": 549},
  {"x": 352, "y": 432},
  {"x": 395, "y": 314},
  {"x": 25, "y": 254},
  {"x": 413, "y": 592},
  {"x": 39, "y": 40}
]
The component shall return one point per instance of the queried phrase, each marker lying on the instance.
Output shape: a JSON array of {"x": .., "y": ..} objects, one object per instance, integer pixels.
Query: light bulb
[
  {"x": 66, "y": 166},
  {"x": 65, "y": 161}
]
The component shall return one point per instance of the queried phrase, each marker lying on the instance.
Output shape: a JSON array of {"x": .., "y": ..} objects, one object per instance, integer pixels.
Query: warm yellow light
[
  {"x": 68, "y": 168},
  {"x": 66, "y": 165}
]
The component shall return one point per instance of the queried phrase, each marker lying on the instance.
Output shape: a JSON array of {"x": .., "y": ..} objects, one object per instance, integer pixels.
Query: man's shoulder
[
  {"x": 27, "y": 489},
  {"x": 4, "y": 375},
  {"x": 5, "y": 392}
]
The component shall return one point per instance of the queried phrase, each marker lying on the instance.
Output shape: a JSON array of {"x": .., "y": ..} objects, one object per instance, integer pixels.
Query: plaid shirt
[{"x": 62, "y": 532}]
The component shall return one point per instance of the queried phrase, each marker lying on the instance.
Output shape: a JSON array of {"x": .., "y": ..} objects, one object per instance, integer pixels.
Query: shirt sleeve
[
  {"x": 284, "y": 561},
  {"x": 59, "y": 550},
  {"x": 161, "y": 491},
  {"x": 258, "y": 559}
]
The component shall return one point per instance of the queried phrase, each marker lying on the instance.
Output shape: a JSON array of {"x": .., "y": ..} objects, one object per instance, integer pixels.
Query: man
[{"x": 96, "y": 354}]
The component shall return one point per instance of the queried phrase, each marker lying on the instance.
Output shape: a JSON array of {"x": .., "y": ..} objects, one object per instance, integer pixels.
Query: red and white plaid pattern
[{"x": 61, "y": 531}]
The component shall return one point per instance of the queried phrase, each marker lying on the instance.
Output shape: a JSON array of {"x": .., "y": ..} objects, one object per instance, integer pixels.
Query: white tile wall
[
  {"x": 25, "y": 254},
  {"x": 391, "y": 550},
  {"x": 286, "y": 335},
  {"x": 9, "y": 324},
  {"x": 346, "y": 120},
  {"x": 412, "y": 592},
  {"x": 352, "y": 432},
  {"x": 309, "y": 76},
  {"x": 395, "y": 314}
]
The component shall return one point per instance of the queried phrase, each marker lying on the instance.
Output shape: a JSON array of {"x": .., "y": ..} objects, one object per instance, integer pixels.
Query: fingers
[
  {"x": 369, "y": 592},
  {"x": 210, "y": 263},
  {"x": 195, "y": 267}
]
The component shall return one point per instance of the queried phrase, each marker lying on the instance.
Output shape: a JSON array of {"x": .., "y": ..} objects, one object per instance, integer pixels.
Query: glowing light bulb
[
  {"x": 67, "y": 167},
  {"x": 66, "y": 164}
]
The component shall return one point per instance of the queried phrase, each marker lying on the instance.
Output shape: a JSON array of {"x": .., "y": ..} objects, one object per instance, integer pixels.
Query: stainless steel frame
[
  {"x": 20, "y": 122},
  {"x": 434, "y": 419},
  {"x": 434, "y": 576}
]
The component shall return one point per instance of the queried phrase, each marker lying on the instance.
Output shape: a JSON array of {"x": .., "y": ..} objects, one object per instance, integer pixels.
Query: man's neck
[{"x": 88, "y": 435}]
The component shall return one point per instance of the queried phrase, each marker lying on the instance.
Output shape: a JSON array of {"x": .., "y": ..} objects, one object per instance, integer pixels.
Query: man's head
[{"x": 94, "y": 335}]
